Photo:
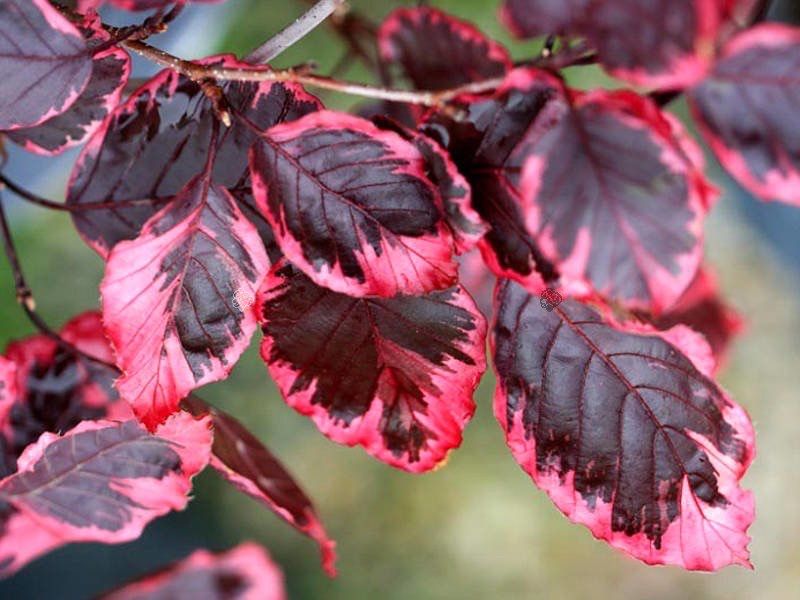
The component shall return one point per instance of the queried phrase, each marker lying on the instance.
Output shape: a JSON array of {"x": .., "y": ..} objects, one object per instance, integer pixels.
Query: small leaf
[
  {"x": 151, "y": 146},
  {"x": 87, "y": 5},
  {"x": 352, "y": 207},
  {"x": 624, "y": 430},
  {"x": 394, "y": 375},
  {"x": 249, "y": 466},
  {"x": 747, "y": 111},
  {"x": 102, "y": 481},
  {"x": 438, "y": 51},
  {"x": 177, "y": 301},
  {"x": 488, "y": 147},
  {"x": 615, "y": 197},
  {"x": 110, "y": 70},
  {"x": 44, "y": 63},
  {"x": 660, "y": 43},
  {"x": 246, "y": 572}
]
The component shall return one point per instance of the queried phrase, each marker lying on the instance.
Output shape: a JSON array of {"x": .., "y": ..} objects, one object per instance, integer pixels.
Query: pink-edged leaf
[
  {"x": 616, "y": 198},
  {"x": 250, "y": 467},
  {"x": 44, "y": 63},
  {"x": 177, "y": 300},
  {"x": 87, "y": 5},
  {"x": 351, "y": 206},
  {"x": 466, "y": 225},
  {"x": 625, "y": 430},
  {"x": 703, "y": 309},
  {"x": 488, "y": 148},
  {"x": 102, "y": 481},
  {"x": 747, "y": 106},
  {"x": 394, "y": 375},
  {"x": 660, "y": 43},
  {"x": 55, "y": 389},
  {"x": 438, "y": 51},
  {"x": 243, "y": 573},
  {"x": 110, "y": 71},
  {"x": 152, "y": 145}
]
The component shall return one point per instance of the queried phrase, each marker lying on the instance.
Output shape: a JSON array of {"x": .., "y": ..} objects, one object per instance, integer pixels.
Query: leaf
[
  {"x": 702, "y": 308},
  {"x": 487, "y": 147},
  {"x": 110, "y": 71},
  {"x": 243, "y": 572},
  {"x": 102, "y": 481},
  {"x": 746, "y": 110},
  {"x": 177, "y": 300},
  {"x": 250, "y": 467},
  {"x": 616, "y": 198},
  {"x": 624, "y": 430},
  {"x": 351, "y": 206},
  {"x": 151, "y": 146},
  {"x": 55, "y": 389},
  {"x": 44, "y": 63},
  {"x": 437, "y": 51},
  {"x": 395, "y": 375},
  {"x": 661, "y": 43}
]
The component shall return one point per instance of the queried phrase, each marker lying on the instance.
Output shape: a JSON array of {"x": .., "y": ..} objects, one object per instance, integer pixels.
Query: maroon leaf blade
[
  {"x": 243, "y": 573},
  {"x": 438, "y": 51},
  {"x": 110, "y": 71},
  {"x": 249, "y": 466},
  {"x": 703, "y": 309},
  {"x": 149, "y": 148},
  {"x": 624, "y": 430},
  {"x": 663, "y": 43},
  {"x": 44, "y": 63},
  {"x": 746, "y": 109},
  {"x": 177, "y": 300},
  {"x": 488, "y": 148},
  {"x": 394, "y": 375},
  {"x": 616, "y": 198},
  {"x": 351, "y": 206},
  {"x": 102, "y": 481}
]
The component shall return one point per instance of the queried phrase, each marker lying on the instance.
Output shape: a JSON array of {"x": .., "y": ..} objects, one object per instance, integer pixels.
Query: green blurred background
[{"x": 476, "y": 528}]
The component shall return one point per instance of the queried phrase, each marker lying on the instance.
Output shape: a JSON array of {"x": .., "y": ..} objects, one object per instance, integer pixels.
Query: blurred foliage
[{"x": 476, "y": 528}]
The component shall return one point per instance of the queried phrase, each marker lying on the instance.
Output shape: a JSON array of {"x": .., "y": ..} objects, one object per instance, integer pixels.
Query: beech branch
[
  {"x": 294, "y": 32},
  {"x": 24, "y": 294},
  {"x": 437, "y": 99}
]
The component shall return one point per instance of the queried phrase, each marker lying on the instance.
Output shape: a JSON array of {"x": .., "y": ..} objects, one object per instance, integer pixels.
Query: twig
[
  {"x": 199, "y": 73},
  {"x": 25, "y": 295},
  {"x": 29, "y": 196},
  {"x": 294, "y": 32}
]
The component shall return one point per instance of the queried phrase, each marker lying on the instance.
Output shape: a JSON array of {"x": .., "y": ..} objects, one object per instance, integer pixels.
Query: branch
[
  {"x": 25, "y": 296},
  {"x": 29, "y": 196},
  {"x": 436, "y": 99},
  {"x": 294, "y": 32}
]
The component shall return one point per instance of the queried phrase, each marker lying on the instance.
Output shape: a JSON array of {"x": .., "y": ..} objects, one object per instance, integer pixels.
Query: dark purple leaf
[
  {"x": 438, "y": 51},
  {"x": 352, "y": 207},
  {"x": 44, "y": 63},
  {"x": 660, "y": 43},
  {"x": 178, "y": 300},
  {"x": 394, "y": 375},
  {"x": 244, "y": 573},
  {"x": 624, "y": 430},
  {"x": 747, "y": 110},
  {"x": 110, "y": 70},
  {"x": 102, "y": 481},
  {"x": 249, "y": 466},
  {"x": 615, "y": 196}
]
